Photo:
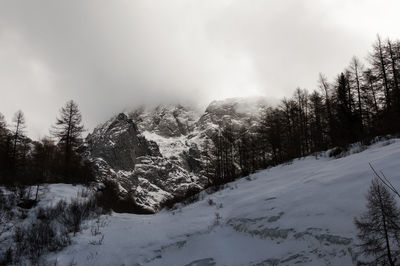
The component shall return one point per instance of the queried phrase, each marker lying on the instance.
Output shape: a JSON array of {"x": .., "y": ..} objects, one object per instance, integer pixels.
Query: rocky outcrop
[
  {"x": 237, "y": 112},
  {"x": 124, "y": 155},
  {"x": 156, "y": 155},
  {"x": 119, "y": 143},
  {"x": 165, "y": 120}
]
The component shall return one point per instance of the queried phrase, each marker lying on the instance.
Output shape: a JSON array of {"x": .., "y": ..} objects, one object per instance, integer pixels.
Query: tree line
[
  {"x": 52, "y": 159},
  {"x": 361, "y": 103}
]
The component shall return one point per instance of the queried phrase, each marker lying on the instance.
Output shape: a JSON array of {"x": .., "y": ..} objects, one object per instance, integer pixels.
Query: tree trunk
[
  {"x": 359, "y": 96},
  {"x": 393, "y": 63},
  {"x": 383, "y": 69},
  {"x": 374, "y": 96}
]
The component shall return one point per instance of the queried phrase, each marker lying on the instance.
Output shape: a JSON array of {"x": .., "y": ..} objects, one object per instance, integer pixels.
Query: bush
[
  {"x": 31, "y": 241},
  {"x": 27, "y": 203},
  {"x": 211, "y": 201},
  {"x": 39, "y": 236},
  {"x": 7, "y": 203},
  {"x": 337, "y": 152},
  {"x": 52, "y": 227},
  {"x": 76, "y": 212},
  {"x": 18, "y": 235},
  {"x": 7, "y": 257},
  {"x": 52, "y": 213}
]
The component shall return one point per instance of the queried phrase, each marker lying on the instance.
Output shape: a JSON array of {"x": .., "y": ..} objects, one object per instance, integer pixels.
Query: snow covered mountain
[
  {"x": 295, "y": 214},
  {"x": 158, "y": 154}
]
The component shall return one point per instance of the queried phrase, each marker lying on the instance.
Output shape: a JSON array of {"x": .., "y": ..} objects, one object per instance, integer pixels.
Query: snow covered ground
[{"x": 300, "y": 213}]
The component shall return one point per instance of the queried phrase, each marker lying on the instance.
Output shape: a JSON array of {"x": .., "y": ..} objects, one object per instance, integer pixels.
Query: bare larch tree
[{"x": 68, "y": 130}]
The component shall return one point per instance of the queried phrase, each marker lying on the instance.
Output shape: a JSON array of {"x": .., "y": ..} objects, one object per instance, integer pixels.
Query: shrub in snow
[
  {"x": 210, "y": 202},
  {"x": 76, "y": 212},
  {"x": 217, "y": 220},
  {"x": 84, "y": 193},
  {"x": 49, "y": 230},
  {"x": 7, "y": 257},
  {"x": 337, "y": 152},
  {"x": 7, "y": 203},
  {"x": 33, "y": 240}
]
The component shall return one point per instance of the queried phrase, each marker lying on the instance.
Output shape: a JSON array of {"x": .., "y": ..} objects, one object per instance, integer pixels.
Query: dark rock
[{"x": 119, "y": 143}]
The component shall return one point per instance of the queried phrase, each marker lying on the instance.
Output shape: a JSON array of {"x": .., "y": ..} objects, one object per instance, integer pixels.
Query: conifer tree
[
  {"x": 18, "y": 132},
  {"x": 68, "y": 130},
  {"x": 379, "y": 226}
]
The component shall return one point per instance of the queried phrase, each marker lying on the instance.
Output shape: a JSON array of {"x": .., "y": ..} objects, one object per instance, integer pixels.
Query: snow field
[{"x": 300, "y": 213}]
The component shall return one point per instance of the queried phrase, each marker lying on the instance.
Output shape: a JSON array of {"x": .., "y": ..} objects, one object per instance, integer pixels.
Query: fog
[{"x": 113, "y": 55}]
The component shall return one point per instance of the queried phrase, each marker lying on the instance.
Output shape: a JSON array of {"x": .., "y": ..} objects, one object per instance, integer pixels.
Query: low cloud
[{"x": 112, "y": 55}]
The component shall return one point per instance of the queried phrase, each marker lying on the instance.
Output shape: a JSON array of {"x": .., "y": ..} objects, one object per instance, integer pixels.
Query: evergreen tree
[
  {"x": 317, "y": 122},
  {"x": 392, "y": 50},
  {"x": 393, "y": 54},
  {"x": 379, "y": 66},
  {"x": 271, "y": 128},
  {"x": 19, "y": 150},
  {"x": 356, "y": 70},
  {"x": 68, "y": 130},
  {"x": 18, "y": 133},
  {"x": 4, "y": 151},
  {"x": 345, "y": 120},
  {"x": 3, "y": 134},
  {"x": 379, "y": 226},
  {"x": 325, "y": 87},
  {"x": 45, "y": 159},
  {"x": 3, "y": 124}
]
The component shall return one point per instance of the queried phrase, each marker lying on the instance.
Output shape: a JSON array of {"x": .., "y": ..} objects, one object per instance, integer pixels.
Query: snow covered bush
[
  {"x": 76, "y": 212},
  {"x": 43, "y": 229},
  {"x": 7, "y": 204},
  {"x": 33, "y": 240},
  {"x": 210, "y": 202}
]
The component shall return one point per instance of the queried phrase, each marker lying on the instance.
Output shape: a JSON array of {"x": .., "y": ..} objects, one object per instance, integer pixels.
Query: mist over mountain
[
  {"x": 113, "y": 55},
  {"x": 199, "y": 132}
]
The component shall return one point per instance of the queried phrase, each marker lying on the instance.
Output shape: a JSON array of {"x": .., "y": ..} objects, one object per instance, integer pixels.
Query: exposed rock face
[
  {"x": 237, "y": 112},
  {"x": 166, "y": 120},
  {"x": 158, "y": 154},
  {"x": 119, "y": 143}
]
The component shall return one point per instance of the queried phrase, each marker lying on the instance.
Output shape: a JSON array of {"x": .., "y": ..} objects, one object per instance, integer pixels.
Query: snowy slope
[{"x": 297, "y": 213}]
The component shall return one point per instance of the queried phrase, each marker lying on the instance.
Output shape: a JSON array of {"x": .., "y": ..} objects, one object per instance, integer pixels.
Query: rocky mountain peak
[
  {"x": 166, "y": 120},
  {"x": 156, "y": 154},
  {"x": 237, "y": 112}
]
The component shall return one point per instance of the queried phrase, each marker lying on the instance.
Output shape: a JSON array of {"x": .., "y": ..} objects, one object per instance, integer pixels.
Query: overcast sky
[{"x": 109, "y": 55}]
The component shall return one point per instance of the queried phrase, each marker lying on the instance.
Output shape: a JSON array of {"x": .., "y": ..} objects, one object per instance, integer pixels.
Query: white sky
[{"x": 111, "y": 55}]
